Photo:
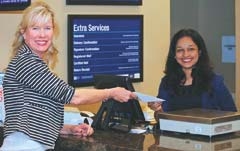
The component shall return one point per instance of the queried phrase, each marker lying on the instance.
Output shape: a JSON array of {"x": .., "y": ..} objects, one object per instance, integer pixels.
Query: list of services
[{"x": 106, "y": 46}]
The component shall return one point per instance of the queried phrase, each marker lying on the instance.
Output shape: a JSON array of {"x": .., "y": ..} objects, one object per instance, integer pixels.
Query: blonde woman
[{"x": 34, "y": 96}]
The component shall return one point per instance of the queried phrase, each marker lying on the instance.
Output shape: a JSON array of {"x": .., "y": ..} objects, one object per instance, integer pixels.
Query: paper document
[
  {"x": 147, "y": 98},
  {"x": 137, "y": 131}
]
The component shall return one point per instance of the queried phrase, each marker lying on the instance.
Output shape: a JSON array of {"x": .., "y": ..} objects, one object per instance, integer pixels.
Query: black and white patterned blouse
[{"x": 34, "y": 98}]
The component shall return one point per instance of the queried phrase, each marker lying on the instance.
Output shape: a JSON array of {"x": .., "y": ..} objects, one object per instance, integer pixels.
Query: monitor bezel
[
  {"x": 104, "y": 2},
  {"x": 71, "y": 17},
  {"x": 14, "y": 6}
]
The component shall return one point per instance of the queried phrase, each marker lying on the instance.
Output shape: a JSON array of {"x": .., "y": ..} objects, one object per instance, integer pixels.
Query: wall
[
  {"x": 156, "y": 37},
  {"x": 237, "y": 29},
  {"x": 215, "y": 23},
  {"x": 183, "y": 19}
]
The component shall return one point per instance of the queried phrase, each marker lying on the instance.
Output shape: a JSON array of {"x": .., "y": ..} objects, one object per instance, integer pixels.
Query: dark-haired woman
[{"x": 189, "y": 80}]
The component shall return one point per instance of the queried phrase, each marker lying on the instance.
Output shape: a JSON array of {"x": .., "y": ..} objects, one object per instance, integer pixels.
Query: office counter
[
  {"x": 164, "y": 141},
  {"x": 157, "y": 141},
  {"x": 105, "y": 141}
]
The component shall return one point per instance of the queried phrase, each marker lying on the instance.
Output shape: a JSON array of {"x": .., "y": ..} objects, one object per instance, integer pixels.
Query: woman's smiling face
[
  {"x": 187, "y": 53},
  {"x": 39, "y": 37}
]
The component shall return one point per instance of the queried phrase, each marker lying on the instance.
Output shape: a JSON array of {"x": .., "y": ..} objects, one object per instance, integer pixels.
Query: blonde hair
[{"x": 37, "y": 12}]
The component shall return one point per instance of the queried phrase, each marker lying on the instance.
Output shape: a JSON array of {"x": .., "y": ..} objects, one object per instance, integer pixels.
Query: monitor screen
[
  {"x": 127, "y": 113},
  {"x": 104, "y": 81},
  {"x": 104, "y": 44},
  {"x": 14, "y": 5}
]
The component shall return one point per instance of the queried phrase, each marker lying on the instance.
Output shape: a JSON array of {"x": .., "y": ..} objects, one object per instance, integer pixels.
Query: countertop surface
[{"x": 150, "y": 141}]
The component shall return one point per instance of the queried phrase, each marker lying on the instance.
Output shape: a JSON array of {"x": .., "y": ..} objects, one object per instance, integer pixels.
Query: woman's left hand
[{"x": 82, "y": 130}]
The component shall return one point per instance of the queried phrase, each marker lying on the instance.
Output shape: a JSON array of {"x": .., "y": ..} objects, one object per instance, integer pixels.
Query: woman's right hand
[
  {"x": 121, "y": 94},
  {"x": 155, "y": 106}
]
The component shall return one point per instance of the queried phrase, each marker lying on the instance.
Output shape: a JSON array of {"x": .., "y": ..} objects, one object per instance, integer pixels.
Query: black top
[{"x": 186, "y": 100}]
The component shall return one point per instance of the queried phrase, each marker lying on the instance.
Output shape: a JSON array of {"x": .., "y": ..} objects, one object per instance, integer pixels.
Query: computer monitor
[
  {"x": 104, "y": 44},
  {"x": 14, "y": 5},
  {"x": 113, "y": 114}
]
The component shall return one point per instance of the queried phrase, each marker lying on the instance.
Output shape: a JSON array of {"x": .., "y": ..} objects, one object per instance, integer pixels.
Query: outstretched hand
[{"x": 121, "y": 94}]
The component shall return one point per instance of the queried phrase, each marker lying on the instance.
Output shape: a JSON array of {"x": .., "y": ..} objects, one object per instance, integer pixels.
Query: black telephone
[
  {"x": 111, "y": 115},
  {"x": 115, "y": 115}
]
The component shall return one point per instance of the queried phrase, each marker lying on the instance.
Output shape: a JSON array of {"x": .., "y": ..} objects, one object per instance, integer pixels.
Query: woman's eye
[
  {"x": 35, "y": 28},
  {"x": 191, "y": 49},
  {"x": 179, "y": 50},
  {"x": 48, "y": 28}
]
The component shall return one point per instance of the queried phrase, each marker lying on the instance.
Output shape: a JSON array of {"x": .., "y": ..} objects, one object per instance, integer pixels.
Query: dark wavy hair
[{"x": 202, "y": 72}]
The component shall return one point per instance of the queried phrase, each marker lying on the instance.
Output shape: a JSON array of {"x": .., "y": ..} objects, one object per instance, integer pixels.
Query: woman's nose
[
  {"x": 185, "y": 53},
  {"x": 42, "y": 33}
]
